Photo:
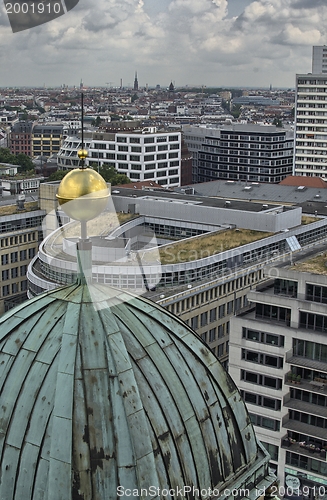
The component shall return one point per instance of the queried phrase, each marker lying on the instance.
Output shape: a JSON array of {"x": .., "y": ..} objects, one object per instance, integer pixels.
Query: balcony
[
  {"x": 313, "y": 409},
  {"x": 306, "y": 450},
  {"x": 311, "y": 364},
  {"x": 301, "y": 428}
]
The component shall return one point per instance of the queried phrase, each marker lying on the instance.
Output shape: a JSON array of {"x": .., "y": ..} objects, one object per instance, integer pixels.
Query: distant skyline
[{"x": 195, "y": 42}]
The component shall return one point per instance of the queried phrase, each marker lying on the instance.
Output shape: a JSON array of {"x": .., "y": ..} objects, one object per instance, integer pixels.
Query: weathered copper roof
[{"x": 100, "y": 389}]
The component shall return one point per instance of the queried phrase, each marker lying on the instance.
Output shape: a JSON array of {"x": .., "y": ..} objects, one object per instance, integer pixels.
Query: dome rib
[{"x": 101, "y": 389}]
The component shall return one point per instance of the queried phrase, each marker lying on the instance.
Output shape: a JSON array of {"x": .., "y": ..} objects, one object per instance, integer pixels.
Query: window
[
  {"x": 256, "y": 378},
  {"x": 121, "y": 139},
  {"x": 220, "y": 350},
  {"x": 265, "y": 422},
  {"x": 149, "y": 149},
  {"x": 122, "y": 148},
  {"x": 194, "y": 322},
  {"x": 31, "y": 253},
  {"x": 258, "y": 400},
  {"x": 204, "y": 336},
  {"x": 204, "y": 319},
  {"x": 262, "y": 358},
  {"x": 212, "y": 334},
  {"x": 5, "y": 275},
  {"x": 149, "y": 158},
  {"x": 213, "y": 314},
  {"x": 272, "y": 450},
  {"x": 134, "y": 157},
  {"x": 5, "y": 290},
  {"x": 121, "y": 157},
  {"x": 311, "y": 321},
  {"x": 136, "y": 149},
  {"x": 14, "y": 272},
  {"x": 220, "y": 331},
  {"x": 148, "y": 140},
  {"x": 221, "y": 311},
  {"x": 230, "y": 307},
  {"x": 14, "y": 257},
  {"x": 23, "y": 254}
]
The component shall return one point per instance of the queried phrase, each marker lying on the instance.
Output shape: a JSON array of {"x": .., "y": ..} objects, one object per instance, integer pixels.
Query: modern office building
[
  {"x": 20, "y": 235},
  {"x": 310, "y": 147},
  {"x": 204, "y": 289},
  {"x": 319, "y": 59},
  {"x": 278, "y": 359},
  {"x": 20, "y": 138},
  {"x": 141, "y": 155},
  {"x": 251, "y": 153},
  {"x": 46, "y": 139}
]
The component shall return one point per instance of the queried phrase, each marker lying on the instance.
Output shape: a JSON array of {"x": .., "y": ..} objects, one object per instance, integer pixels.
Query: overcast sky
[{"x": 196, "y": 42}]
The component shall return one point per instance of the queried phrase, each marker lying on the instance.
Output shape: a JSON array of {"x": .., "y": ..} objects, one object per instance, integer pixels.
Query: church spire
[{"x": 136, "y": 83}]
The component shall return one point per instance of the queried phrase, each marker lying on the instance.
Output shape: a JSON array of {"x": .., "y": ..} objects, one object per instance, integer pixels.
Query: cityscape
[{"x": 163, "y": 280}]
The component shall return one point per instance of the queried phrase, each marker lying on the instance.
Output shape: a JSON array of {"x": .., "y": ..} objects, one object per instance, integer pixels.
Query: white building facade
[
  {"x": 278, "y": 360},
  {"x": 139, "y": 155},
  {"x": 319, "y": 59},
  {"x": 310, "y": 158}
]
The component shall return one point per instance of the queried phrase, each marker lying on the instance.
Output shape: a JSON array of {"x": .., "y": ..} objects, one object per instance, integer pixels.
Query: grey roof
[
  {"x": 100, "y": 388},
  {"x": 263, "y": 192}
]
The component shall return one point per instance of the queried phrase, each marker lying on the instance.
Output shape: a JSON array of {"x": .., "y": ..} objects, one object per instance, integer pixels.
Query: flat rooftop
[{"x": 175, "y": 197}]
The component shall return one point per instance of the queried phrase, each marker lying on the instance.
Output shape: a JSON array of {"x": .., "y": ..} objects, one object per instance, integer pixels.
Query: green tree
[
  {"x": 110, "y": 174},
  {"x": 58, "y": 175},
  {"x": 25, "y": 162},
  {"x": 278, "y": 122},
  {"x": 21, "y": 159}
]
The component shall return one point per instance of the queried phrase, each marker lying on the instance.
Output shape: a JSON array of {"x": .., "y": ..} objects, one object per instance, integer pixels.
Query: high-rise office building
[
  {"x": 319, "y": 59},
  {"x": 278, "y": 359},
  {"x": 243, "y": 152},
  {"x": 310, "y": 154}
]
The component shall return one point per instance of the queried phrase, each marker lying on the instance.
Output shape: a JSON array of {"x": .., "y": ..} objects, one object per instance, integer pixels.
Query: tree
[
  {"x": 25, "y": 162},
  {"x": 21, "y": 159},
  {"x": 58, "y": 175},
  {"x": 110, "y": 174},
  {"x": 278, "y": 122}
]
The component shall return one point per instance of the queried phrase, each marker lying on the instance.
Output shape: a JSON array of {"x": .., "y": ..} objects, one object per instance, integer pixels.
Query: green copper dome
[{"x": 100, "y": 390}]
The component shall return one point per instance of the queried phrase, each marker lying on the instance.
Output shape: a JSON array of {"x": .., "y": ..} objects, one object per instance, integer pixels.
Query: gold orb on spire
[
  {"x": 83, "y": 194},
  {"x": 82, "y": 154}
]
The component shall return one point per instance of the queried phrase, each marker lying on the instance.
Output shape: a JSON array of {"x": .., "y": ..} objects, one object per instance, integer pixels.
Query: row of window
[
  {"x": 308, "y": 397},
  {"x": 15, "y": 240},
  {"x": 307, "y": 418},
  {"x": 309, "y": 464},
  {"x": 15, "y": 272},
  {"x": 147, "y": 140},
  {"x": 211, "y": 335},
  {"x": 264, "y": 380},
  {"x": 17, "y": 256},
  {"x": 265, "y": 422},
  {"x": 273, "y": 313},
  {"x": 259, "y": 400},
  {"x": 14, "y": 288},
  {"x": 311, "y": 321},
  {"x": 262, "y": 358},
  {"x": 310, "y": 350},
  {"x": 263, "y": 337}
]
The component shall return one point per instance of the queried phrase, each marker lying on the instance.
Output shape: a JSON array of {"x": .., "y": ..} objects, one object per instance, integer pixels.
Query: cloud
[{"x": 183, "y": 40}]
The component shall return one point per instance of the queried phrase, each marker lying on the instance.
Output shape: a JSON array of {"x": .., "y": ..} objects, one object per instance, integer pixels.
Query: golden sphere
[
  {"x": 82, "y": 154},
  {"x": 83, "y": 194}
]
